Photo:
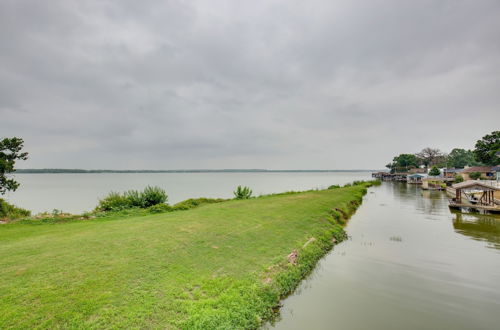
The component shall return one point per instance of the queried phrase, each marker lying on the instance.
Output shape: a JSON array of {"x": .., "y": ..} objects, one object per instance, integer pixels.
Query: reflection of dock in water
[{"x": 478, "y": 227}]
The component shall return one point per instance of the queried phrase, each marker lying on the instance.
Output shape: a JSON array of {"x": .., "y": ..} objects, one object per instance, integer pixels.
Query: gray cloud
[{"x": 237, "y": 84}]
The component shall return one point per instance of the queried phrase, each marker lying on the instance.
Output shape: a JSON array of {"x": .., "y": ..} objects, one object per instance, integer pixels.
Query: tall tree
[
  {"x": 430, "y": 156},
  {"x": 487, "y": 147},
  {"x": 10, "y": 151},
  {"x": 459, "y": 158}
]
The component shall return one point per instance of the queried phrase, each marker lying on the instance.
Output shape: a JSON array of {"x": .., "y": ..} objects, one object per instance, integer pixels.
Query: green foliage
[
  {"x": 160, "y": 208},
  {"x": 212, "y": 267},
  {"x": 334, "y": 186},
  {"x": 458, "y": 178},
  {"x": 10, "y": 151},
  {"x": 114, "y": 202},
  {"x": 403, "y": 163},
  {"x": 487, "y": 147},
  {"x": 459, "y": 158},
  {"x": 242, "y": 192},
  {"x": 475, "y": 175},
  {"x": 434, "y": 171},
  {"x": 194, "y": 202},
  {"x": 132, "y": 199},
  {"x": 153, "y": 195},
  {"x": 10, "y": 212},
  {"x": 358, "y": 182}
]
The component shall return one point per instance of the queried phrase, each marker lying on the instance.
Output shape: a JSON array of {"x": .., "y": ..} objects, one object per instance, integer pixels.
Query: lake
[
  {"x": 76, "y": 193},
  {"x": 410, "y": 263}
]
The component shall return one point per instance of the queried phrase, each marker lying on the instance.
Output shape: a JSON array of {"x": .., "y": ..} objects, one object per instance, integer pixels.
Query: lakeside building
[
  {"x": 451, "y": 172},
  {"x": 418, "y": 170},
  {"x": 415, "y": 178},
  {"x": 487, "y": 172},
  {"x": 475, "y": 194}
]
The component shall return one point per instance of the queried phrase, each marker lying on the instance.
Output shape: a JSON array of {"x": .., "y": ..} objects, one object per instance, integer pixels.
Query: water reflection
[
  {"x": 399, "y": 270},
  {"x": 479, "y": 227}
]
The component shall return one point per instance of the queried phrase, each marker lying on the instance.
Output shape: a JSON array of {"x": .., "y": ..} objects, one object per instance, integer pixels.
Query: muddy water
[{"x": 409, "y": 264}]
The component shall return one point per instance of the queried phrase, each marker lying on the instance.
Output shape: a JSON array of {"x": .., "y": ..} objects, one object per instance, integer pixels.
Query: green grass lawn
[{"x": 217, "y": 266}]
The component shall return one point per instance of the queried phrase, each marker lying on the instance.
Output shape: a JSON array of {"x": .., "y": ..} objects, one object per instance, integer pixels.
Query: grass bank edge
[
  {"x": 252, "y": 309},
  {"x": 59, "y": 217},
  {"x": 249, "y": 301}
]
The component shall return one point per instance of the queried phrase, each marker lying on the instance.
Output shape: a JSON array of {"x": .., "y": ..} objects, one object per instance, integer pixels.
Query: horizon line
[{"x": 77, "y": 170}]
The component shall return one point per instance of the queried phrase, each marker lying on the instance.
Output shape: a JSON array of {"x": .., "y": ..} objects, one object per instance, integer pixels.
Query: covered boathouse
[{"x": 475, "y": 195}]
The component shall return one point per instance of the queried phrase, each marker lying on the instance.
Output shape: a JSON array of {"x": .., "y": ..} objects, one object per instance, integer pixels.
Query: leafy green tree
[
  {"x": 459, "y": 158},
  {"x": 487, "y": 147},
  {"x": 242, "y": 192},
  {"x": 403, "y": 162},
  {"x": 434, "y": 171},
  {"x": 458, "y": 178},
  {"x": 475, "y": 175},
  {"x": 10, "y": 151}
]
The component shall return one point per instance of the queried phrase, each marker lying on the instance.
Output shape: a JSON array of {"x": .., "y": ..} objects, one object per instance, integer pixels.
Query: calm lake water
[
  {"x": 409, "y": 264},
  {"x": 76, "y": 193}
]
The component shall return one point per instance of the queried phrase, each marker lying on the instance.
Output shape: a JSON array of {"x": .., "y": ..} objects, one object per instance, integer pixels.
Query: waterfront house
[
  {"x": 451, "y": 172},
  {"x": 417, "y": 170},
  {"x": 415, "y": 178},
  {"x": 487, "y": 172}
]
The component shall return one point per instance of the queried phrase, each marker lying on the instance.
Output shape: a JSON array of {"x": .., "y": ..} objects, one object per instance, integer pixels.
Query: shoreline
[{"x": 243, "y": 257}]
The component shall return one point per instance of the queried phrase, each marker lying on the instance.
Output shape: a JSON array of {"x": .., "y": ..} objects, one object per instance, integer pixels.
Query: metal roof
[
  {"x": 453, "y": 170},
  {"x": 482, "y": 169},
  {"x": 417, "y": 175},
  {"x": 474, "y": 183}
]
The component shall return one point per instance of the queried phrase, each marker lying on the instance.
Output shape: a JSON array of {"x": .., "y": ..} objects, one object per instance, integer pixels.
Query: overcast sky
[{"x": 246, "y": 84}]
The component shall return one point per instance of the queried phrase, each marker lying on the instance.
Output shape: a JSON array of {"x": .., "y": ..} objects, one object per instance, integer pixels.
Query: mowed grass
[{"x": 217, "y": 266}]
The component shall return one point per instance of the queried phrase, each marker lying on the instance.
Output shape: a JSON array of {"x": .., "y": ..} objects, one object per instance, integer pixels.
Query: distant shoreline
[{"x": 82, "y": 171}]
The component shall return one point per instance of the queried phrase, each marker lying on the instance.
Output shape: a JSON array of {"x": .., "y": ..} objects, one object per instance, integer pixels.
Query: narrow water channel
[{"x": 410, "y": 263}]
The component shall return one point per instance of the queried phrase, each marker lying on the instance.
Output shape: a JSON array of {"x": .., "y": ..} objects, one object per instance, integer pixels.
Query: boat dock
[{"x": 474, "y": 195}]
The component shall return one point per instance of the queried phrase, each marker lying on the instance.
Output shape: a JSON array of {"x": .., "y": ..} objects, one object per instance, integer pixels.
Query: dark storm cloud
[{"x": 267, "y": 84}]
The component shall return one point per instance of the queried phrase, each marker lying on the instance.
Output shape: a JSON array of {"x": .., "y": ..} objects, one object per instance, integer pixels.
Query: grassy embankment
[{"x": 222, "y": 265}]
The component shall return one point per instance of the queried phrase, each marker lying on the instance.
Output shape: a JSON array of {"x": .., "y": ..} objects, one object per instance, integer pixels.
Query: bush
[
  {"x": 153, "y": 196},
  {"x": 434, "y": 171},
  {"x": 334, "y": 186},
  {"x": 160, "y": 208},
  {"x": 458, "y": 178},
  {"x": 132, "y": 199},
  {"x": 194, "y": 202},
  {"x": 475, "y": 175},
  {"x": 114, "y": 202},
  {"x": 9, "y": 211},
  {"x": 242, "y": 192},
  {"x": 358, "y": 182},
  {"x": 135, "y": 198}
]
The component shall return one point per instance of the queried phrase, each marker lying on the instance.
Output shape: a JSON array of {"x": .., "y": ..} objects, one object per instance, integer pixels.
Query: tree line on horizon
[{"x": 485, "y": 153}]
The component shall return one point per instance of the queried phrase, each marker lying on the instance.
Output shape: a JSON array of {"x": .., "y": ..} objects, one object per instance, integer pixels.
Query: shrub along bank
[
  {"x": 220, "y": 265},
  {"x": 9, "y": 211}
]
